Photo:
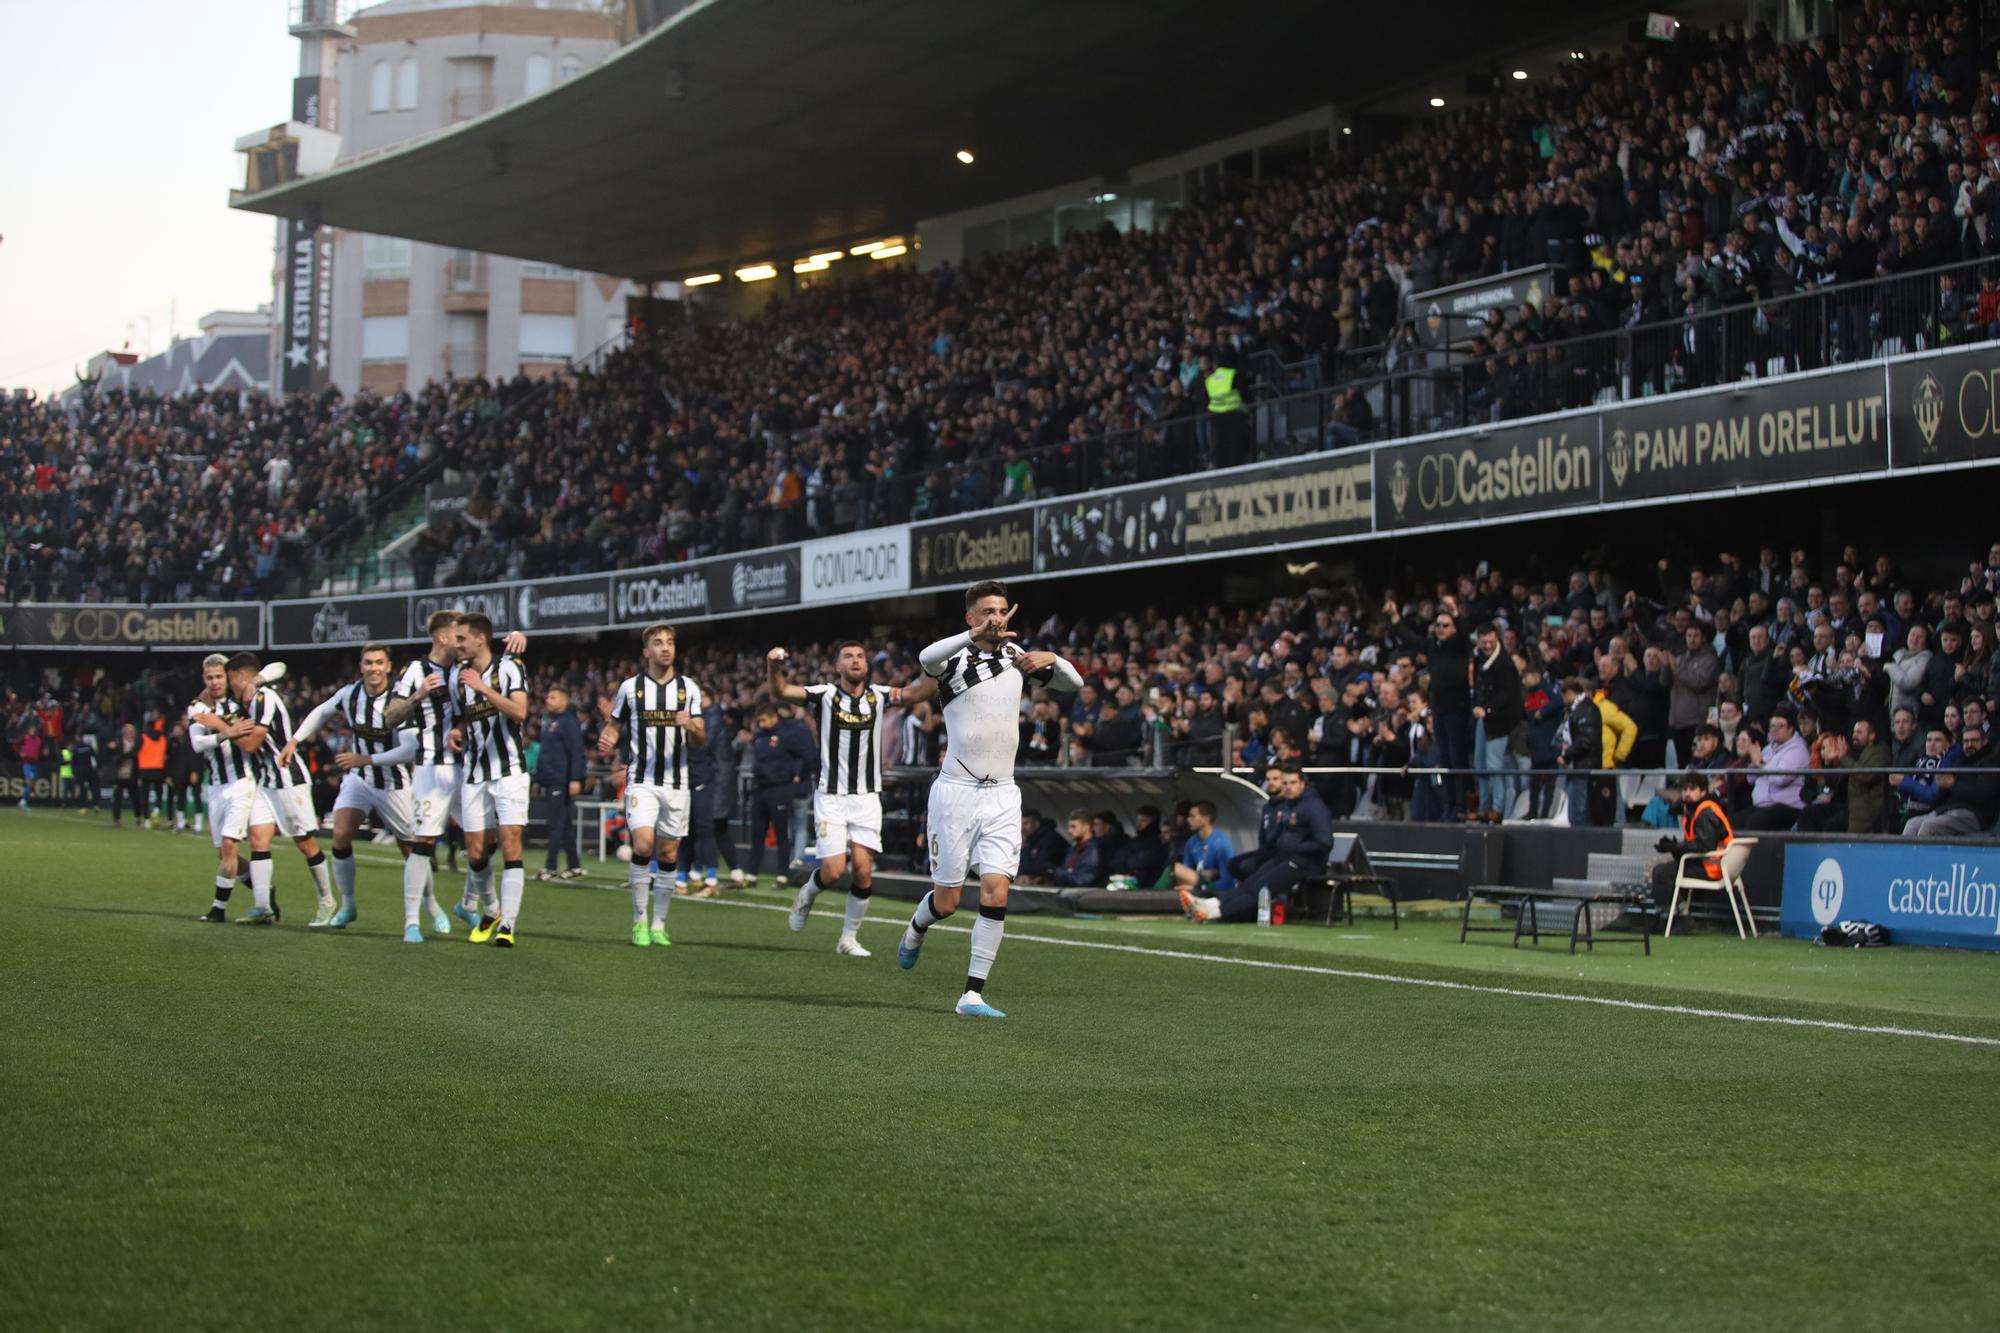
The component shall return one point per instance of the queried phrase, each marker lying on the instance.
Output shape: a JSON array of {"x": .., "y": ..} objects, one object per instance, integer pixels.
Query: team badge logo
[
  {"x": 1620, "y": 459},
  {"x": 1399, "y": 486},
  {"x": 1929, "y": 409}
]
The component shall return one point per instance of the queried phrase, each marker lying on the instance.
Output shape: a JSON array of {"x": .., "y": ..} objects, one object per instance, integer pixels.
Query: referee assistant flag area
[{"x": 216, "y": 1126}]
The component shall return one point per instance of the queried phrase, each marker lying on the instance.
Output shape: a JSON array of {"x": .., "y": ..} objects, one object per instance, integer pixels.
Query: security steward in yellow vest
[
  {"x": 1228, "y": 418},
  {"x": 1704, "y": 829}
]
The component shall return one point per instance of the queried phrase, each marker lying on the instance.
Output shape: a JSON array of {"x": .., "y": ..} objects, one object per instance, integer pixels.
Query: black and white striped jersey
[
  {"x": 492, "y": 740},
  {"x": 850, "y": 737},
  {"x": 433, "y": 716},
  {"x": 981, "y": 695},
  {"x": 268, "y": 711},
  {"x": 368, "y": 717},
  {"x": 643, "y": 712},
  {"x": 225, "y": 763}
]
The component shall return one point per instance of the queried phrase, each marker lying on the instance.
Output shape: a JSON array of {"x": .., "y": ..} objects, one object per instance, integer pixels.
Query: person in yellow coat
[{"x": 1620, "y": 732}]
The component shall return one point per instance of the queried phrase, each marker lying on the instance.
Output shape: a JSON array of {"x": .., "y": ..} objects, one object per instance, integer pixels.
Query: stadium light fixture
[
  {"x": 1520, "y": 75},
  {"x": 756, "y": 272},
  {"x": 1347, "y": 129},
  {"x": 1437, "y": 101},
  {"x": 825, "y": 257},
  {"x": 890, "y": 252},
  {"x": 867, "y": 247},
  {"x": 809, "y": 266},
  {"x": 701, "y": 279},
  {"x": 1576, "y": 55},
  {"x": 965, "y": 157}
]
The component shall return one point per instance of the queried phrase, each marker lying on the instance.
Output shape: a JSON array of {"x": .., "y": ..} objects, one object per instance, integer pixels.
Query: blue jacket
[
  {"x": 1301, "y": 829},
  {"x": 777, "y": 759},
  {"x": 1082, "y": 867},
  {"x": 1214, "y": 852},
  {"x": 800, "y": 737},
  {"x": 562, "y": 761}
]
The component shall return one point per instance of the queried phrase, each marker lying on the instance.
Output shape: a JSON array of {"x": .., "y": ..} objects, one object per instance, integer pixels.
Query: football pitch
[{"x": 220, "y": 1127}]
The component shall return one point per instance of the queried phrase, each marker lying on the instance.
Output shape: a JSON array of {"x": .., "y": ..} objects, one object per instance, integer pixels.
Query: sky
[{"x": 115, "y": 171}]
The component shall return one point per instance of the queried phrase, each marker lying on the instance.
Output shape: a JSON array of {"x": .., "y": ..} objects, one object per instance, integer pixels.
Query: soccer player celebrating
[
  {"x": 847, "y": 801},
  {"x": 282, "y": 802},
  {"x": 975, "y": 808},
  {"x": 489, "y": 697},
  {"x": 214, "y": 721},
  {"x": 423, "y": 703},
  {"x": 658, "y": 715},
  {"x": 377, "y": 781}
]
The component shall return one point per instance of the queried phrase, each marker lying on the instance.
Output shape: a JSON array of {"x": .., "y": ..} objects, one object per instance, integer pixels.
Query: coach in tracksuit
[
  {"x": 1298, "y": 834},
  {"x": 778, "y": 766},
  {"x": 560, "y": 773}
]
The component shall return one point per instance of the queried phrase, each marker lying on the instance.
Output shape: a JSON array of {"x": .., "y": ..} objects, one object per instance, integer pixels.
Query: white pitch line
[{"x": 1393, "y": 979}]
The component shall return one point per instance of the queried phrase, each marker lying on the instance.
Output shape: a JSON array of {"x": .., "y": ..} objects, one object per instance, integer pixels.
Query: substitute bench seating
[{"x": 1578, "y": 896}]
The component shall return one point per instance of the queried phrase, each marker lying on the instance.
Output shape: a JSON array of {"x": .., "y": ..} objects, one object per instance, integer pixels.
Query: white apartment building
[{"x": 405, "y": 313}]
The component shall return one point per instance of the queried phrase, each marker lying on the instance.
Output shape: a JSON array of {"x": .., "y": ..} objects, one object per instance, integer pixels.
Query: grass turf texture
[{"x": 219, "y": 1127}]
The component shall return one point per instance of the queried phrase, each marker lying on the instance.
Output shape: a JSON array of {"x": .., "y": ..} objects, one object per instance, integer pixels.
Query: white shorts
[
  {"x": 839, "y": 819},
  {"x": 290, "y": 808},
  {"x": 974, "y": 831},
  {"x": 433, "y": 798},
  {"x": 391, "y": 806},
  {"x": 500, "y": 803},
  {"x": 662, "y": 809},
  {"x": 229, "y": 809}
]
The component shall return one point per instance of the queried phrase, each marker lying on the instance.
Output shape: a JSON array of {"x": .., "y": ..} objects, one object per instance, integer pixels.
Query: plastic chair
[{"x": 1729, "y": 862}]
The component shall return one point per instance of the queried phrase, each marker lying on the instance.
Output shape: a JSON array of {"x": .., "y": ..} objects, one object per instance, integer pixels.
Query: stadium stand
[{"x": 1720, "y": 206}]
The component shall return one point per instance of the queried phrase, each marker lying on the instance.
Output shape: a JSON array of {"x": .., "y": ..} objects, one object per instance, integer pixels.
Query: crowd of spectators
[
  {"x": 1744, "y": 666},
  {"x": 1704, "y": 176}
]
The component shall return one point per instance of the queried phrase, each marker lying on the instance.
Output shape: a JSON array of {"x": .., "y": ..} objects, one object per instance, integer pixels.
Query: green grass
[{"x": 218, "y": 1128}]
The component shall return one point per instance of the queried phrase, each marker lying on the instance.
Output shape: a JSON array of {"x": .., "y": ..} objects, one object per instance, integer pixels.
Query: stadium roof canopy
[{"x": 744, "y": 129}]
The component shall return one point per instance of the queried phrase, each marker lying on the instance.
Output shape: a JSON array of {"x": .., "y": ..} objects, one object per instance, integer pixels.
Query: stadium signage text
[
  {"x": 1505, "y": 472},
  {"x": 338, "y": 620},
  {"x": 751, "y": 582},
  {"x": 1320, "y": 499},
  {"x": 988, "y": 546},
  {"x": 583, "y": 603},
  {"x": 863, "y": 564},
  {"x": 100, "y": 627},
  {"x": 1921, "y": 893},
  {"x": 1822, "y": 425},
  {"x": 644, "y": 596}
]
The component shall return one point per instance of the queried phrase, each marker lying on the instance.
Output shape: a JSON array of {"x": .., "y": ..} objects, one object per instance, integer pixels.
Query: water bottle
[{"x": 1263, "y": 907}]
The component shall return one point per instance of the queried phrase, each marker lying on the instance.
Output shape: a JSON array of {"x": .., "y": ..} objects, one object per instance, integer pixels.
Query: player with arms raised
[
  {"x": 657, "y": 713},
  {"x": 975, "y": 808},
  {"x": 847, "y": 801},
  {"x": 489, "y": 696}
]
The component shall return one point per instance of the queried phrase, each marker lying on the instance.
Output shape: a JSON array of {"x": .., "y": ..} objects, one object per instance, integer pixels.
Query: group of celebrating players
[{"x": 443, "y": 742}]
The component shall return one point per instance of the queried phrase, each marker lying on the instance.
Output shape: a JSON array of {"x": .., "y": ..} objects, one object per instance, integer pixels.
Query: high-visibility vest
[
  {"x": 1221, "y": 387},
  {"x": 67, "y": 771},
  {"x": 152, "y": 751},
  {"x": 1710, "y": 869}
]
